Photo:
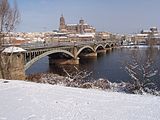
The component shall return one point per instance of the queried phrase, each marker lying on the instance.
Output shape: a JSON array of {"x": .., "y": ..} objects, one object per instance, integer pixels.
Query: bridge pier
[
  {"x": 72, "y": 61},
  {"x": 108, "y": 48},
  {"x": 101, "y": 51},
  {"x": 90, "y": 55},
  {"x": 13, "y": 66}
]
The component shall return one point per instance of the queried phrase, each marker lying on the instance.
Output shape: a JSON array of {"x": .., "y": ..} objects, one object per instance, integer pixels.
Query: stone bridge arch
[
  {"x": 112, "y": 45},
  {"x": 107, "y": 46},
  {"x": 100, "y": 45},
  {"x": 31, "y": 62},
  {"x": 85, "y": 47}
]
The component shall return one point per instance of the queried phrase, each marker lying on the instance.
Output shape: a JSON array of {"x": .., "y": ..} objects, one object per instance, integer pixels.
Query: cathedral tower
[
  {"x": 81, "y": 23},
  {"x": 62, "y": 26}
]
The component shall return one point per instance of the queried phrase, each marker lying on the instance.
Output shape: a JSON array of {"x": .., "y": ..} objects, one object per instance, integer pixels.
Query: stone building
[
  {"x": 150, "y": 36},
  {"x": 79, "y": 28},
  {"x": 103, "y": 36},
  {"x": 152, "y": 30},
  {"x": 140, "y": 38}
]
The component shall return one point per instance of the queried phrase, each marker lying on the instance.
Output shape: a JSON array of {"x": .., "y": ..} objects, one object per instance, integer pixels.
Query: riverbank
[
  {"x": 33, "y": 101},
  {"x": 78, "y": 80}
]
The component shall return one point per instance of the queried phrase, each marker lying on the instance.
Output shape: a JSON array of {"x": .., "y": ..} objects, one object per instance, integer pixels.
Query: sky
[{"x": 117, "y": 16}]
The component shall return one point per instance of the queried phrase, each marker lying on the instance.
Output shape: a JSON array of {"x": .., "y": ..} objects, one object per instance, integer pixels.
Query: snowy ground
[{"x": 20, "y": 100}]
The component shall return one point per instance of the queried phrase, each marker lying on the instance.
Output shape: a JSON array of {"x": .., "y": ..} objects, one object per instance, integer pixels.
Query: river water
[{"x": 109, "y": 66}]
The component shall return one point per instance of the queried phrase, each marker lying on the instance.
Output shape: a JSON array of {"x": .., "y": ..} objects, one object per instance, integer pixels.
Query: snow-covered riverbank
[{"x": 20, "y": 100}]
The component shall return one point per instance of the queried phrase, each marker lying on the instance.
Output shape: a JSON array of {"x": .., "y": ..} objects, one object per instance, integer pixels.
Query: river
[{"x": 109, "y": 66}]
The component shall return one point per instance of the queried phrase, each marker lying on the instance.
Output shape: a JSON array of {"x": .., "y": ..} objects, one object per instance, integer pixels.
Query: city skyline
[{"x": 123, "y": 16}]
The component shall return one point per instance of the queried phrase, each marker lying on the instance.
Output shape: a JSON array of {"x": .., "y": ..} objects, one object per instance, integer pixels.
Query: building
[
  {"x": 79, "y": 28},
  {"x": 103, "y": 36},
  {"x": 150, "y": 36},
  {"x": 152, "y": 30},
  {"x": 140, "y": 38}
]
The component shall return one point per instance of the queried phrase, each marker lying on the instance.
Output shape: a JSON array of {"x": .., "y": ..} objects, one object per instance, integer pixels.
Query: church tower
[
  {"x": 81, "y": 23},
  {"x": 62, "y": 26}
]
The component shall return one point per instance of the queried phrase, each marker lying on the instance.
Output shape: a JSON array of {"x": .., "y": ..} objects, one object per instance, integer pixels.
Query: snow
[
  {"x": 140, "y": 46},
  {"x": 86, "y": 35},
  {"x": 147, "y": 31},
  {"x": 38, "y": 40},
  {"x": 19, "y": 38},
  {"x": 61, "y": 37},
  {"x": 142, "y": 35},
  {"x": 72, "y": 24},
  {"x": 13, "y": 49},
  {"x": 20, "y": 100}
]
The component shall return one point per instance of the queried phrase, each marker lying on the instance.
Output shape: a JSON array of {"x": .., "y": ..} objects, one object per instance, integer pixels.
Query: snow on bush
[{"x": 102, "y": 84}]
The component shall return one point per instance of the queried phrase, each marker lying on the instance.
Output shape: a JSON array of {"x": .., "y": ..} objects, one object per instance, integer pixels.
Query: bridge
[{"x": 70, "y": 52}]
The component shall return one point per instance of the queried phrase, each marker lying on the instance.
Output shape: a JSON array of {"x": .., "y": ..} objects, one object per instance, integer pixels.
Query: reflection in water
[{"x": 109, "y": 66}]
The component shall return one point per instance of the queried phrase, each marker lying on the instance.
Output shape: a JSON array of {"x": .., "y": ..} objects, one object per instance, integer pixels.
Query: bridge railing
[{"x": 61, "y": 44}]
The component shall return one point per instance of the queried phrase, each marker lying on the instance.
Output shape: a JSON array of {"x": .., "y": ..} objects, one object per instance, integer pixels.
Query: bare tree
[
  {"x": 9, "y": 18},
  {"x": 142, "y": 71},
  {"x": 151, "y": 40},
  {"x": 77, "y": 77}
]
